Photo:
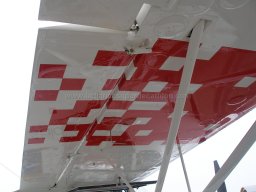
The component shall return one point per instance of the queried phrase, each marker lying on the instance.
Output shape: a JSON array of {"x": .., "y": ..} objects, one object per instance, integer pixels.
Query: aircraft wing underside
[{"x": 101, "y": 101}]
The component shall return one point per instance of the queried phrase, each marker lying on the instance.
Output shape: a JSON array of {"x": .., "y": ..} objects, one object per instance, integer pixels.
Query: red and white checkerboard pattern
[{"x": 139, "y": 110}]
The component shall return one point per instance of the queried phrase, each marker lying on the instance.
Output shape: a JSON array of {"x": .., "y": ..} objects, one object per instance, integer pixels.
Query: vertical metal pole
[
  {"x": 184, "y": 167},
  {"x": 192, "y": 53},
  {"x": 235, "y": 157}
]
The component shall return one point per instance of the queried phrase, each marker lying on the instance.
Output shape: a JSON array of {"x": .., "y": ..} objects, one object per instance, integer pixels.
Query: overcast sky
[
  {"x": 18, "y": 39},
  {"x": 199, "y": 161}
]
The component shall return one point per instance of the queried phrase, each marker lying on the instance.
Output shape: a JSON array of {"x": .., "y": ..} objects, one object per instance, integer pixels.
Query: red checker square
[
  {"x": 36, "y": 141},
  {"x": 46, "y": 95},
  {"x": 112, "y": 58},
  {"x": 51, "y": 71},
  {"x": 119, "y": 104},
  {"x": 81, "y": 132},
  {"x": 132, "y": 85},
  {"x": 38, "y": 128},
  {"x": 171, "y": 47},
  {"x": 110, "y": 84},
  {"x": 72, "y": 84},
  {"x": 152, "y": 60}
]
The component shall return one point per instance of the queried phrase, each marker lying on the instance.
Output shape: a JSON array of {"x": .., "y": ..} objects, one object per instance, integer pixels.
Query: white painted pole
[
  {"x": 82, "y": 142},
  {"x": 192, "y": 53},
  {"x": 184, "y": 168},
  {"x": 233, "y": 160}
]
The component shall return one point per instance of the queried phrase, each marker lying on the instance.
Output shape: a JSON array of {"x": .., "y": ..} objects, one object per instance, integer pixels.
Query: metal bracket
[{"x": 135, "y": 27}]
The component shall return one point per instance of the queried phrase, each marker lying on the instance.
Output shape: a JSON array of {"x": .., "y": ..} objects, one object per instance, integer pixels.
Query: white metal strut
[
  {"x": 233, "y": 160},
  {"x": 184, "y": 167},
  {"x": 82, "y": 142},
  {"x": 191, "y": 56},
  {"x": 139, "y": 20}
]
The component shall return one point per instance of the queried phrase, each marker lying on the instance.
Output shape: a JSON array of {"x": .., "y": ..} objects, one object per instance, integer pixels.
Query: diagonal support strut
[
  {"x": 191, "y": 56},
  {"x": 184, "y": 167},
  {"x": 233, "y": 160}
]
